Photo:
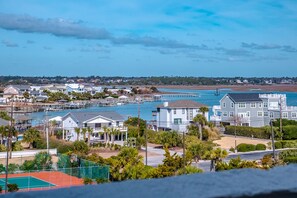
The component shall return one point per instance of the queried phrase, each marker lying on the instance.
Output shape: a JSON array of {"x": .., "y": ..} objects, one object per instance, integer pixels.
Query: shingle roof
[
  {"x": 183, "y": 104},
  {"x": 22, "y": 87},
  {"x": 84, "y": 116},
  {"x": 3, "y": 122},
  {"x": 244, "y": 97}
]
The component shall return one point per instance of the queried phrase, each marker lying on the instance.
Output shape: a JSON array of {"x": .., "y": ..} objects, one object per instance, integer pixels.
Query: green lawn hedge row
[
  {"x": 263, "y": 133},
  {"x": 250, "y": 147},
  {"x": 290, "y": 132}
]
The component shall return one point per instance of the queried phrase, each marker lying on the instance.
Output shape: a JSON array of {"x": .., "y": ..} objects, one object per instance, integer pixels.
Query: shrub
[
  {"x": 232, "y": 150},
  {"x": 189, "y": 170},
  {"x": 288, "y": 156},
  {"x": 260, "y": 147},
  {"x": 278, "y": 145},
  {"x": 101, "y": 180},
  {"x": 245, "y": 147},
  {"x": 263, "y": 132},
  {"x": 2, "y": 148},
  {"x": 80, "y": 146},
  {"x": 43, "y": 161},
  {"x": 12, "y": 187},
  {"x": 12, "y": 168},
  {"x": 65, "y": 148},
  {"x": 289, "y": 143},
  {"x": 2, "y": 168},
  {"x": 16, "y": 146},
  {"x": 28, "y": 165},
  {"x": 87, "y": 181},
  {"x": 290, "y": 132}
]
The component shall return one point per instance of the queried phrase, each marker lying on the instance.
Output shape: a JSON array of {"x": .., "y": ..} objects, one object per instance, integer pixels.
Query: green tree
[
  {"x": 80, "y": 147},
  {"x": 4, "y": 115},
  {"x": 31, "y": 136},
  {"x": 43, "y": 161},
  {"x": 90, "y": 131},
  {"x": 197, "y": 151},
  {"x": 203, "y": 110},
  {"x": 215, "y": 155},
  {"x": 84, "y": 132},
  {"x": 26, "y": 95},
  {"x": 200, "y": 121},
  {"x": 77, "y": 131}
]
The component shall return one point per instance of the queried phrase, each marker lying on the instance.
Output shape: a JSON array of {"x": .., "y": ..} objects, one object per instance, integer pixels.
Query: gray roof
[
  {"x": 183, "y": 104},
  {"x": 244, "y": 97},
  {"x": 84, "y": 116},
  {"x": 22, "y": 87},
  {"x": 3, "y": 122}
]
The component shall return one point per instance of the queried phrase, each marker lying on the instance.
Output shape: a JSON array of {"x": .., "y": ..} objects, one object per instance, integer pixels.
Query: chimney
[{"x": 165, "y": 104}]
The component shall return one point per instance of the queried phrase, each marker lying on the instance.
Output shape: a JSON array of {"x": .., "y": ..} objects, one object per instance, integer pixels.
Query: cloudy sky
[{"x": 148, "y": 38}]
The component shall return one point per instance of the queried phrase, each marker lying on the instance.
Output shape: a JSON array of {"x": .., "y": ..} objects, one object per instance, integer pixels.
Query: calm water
[{"x": 206, "y": 97}]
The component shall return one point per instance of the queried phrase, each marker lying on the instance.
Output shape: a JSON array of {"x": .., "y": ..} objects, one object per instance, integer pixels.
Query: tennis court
[{"x": 26, "y": 182}]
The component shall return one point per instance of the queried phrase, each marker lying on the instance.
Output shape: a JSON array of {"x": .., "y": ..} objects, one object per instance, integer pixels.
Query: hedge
[
  {"x": 245, "y": 147},
  {"x": 288, "y": 156},
  {"x": 262, "y": 133},
  {"x": 260, "y": 147},
  {"x": 290, "y": 132}
]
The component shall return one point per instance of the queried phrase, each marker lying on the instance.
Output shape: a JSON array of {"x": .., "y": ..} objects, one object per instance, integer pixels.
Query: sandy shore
[{"x": 283, "y": 88}]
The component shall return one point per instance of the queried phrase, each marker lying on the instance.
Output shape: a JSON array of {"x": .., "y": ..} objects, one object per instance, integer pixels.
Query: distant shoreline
[{"x": 281, "y": 88}]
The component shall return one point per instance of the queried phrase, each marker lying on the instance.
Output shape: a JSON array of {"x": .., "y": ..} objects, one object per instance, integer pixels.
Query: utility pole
[
  {"x": 272, "y": 139},
  {"x": 8, "y": 145},
  {"x": 235, "y": 141},
  {"x": 281, "y": 117},
  {"x": 46, "y": 131},
  {"x": 184, "y": 153},
  {"x": 138, "y": 124},
  {"x": 145, "y": 147}
]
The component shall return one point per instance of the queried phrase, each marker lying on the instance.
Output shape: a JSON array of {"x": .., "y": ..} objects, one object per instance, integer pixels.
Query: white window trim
[
  {"x": 248, "y": 114},
  {"x": 265, "y": 105},
  {"x": 260, "y": 105},
  {"x": 267, "y": 114},
  {"x": 239, "y": 107},
  {"x": 225, "y": 114},
  {"x": 294, "y": 113},
  {"x": 259, "y": 112},
  {"x": 253, "y": 103},
  {"x": 224, "y": 105},
  {"x": 231, "y": 112},
  {"x": 232, "y": 104},
  {"x": 285, "y": 113}
]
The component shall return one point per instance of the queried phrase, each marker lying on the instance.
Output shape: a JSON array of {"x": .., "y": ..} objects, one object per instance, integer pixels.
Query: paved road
[{"x": 204, "y": 165}]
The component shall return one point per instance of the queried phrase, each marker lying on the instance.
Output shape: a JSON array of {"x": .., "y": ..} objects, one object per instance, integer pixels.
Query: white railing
[
  {"x": 28, "y": 153},
  {"x": 272, "y": 95},
  {"x": 215, "y": 118}
]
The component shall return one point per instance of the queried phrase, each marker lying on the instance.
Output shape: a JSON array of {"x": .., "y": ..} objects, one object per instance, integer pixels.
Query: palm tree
[
  {"x": 113, "y": 132},
  {"x": 84, "y": 131},
  {"x": 200, "y": 121},
  {"x": 90, "y": 131},
  {"x": 77, "y": 131},
  {"x": 31, "y": 136},
  {"x": 3, "y": 132},
  {"x": 204, "y": 110}
]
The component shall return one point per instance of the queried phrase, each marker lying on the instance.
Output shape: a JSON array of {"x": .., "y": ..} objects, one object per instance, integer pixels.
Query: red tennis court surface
[{"x": 59, "y": 179}]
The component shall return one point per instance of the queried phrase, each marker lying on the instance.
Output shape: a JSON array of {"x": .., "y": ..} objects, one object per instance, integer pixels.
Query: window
[
  {"x": 285, "y": 114},
  {"x": 253, "y": 105},
  {"x": 265, "y": 104},
  {"x": 271, "y": 114},
  {"x": 248, "y": 114},
  {"x": 232, "y": 105},
  {"x": 241, "y": 105},
  {"x": 177, "y": 121},
  {"x": 260, "y": 113},
  {"x": 265, "y": 114},
  {"x": 85, "y": 125},
  {"x": 224, "y": 105},
  {"x": 225, "y": 114},
  {"x": 294, "y": 114},
  {"x": 183, "y": 111},
  {"x": 174, "y": 111},
  {"x": 231, "y": 114},
  {"x": 260, "y": 105},
  {"x": 197, "y": 110},
  {"x": 97, "y": 125}
]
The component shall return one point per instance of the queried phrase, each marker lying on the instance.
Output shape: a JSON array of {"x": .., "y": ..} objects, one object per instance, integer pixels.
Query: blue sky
[{"x": 148, "y": 38}]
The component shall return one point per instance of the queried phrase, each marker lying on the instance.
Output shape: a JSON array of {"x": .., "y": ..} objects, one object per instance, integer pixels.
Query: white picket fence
[{"x": 27, "y": 153}]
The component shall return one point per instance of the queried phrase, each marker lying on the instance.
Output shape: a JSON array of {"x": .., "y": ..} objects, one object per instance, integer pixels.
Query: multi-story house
[
  {"x": 253, "y": 109},
  {"x": 15, "y": 91},
  {"x": 98, "y": 122},
  {"x": 177, "y": 115}
]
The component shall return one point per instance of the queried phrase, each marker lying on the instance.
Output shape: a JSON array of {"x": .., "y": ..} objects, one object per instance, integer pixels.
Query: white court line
[{"x": 43, "y": 180}]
